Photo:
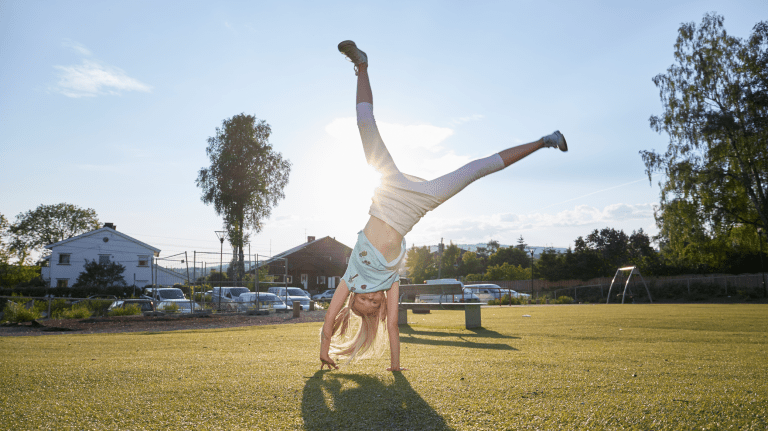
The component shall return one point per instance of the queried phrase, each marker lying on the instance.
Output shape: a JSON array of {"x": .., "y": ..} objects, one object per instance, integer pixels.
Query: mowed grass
[{"x": 564, "y": 367}]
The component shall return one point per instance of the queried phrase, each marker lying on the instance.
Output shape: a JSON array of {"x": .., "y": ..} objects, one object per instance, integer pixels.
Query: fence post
[
  {"x": 49, "y": 307},
  {"x": 689, "y": 285}
]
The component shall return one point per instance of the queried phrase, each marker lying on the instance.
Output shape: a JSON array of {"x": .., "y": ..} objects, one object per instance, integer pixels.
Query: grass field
[{"x": 564, "y": 367}]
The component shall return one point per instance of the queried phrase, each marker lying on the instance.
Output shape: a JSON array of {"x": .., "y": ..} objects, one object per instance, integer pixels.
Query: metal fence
[
  {"x": 682, "y": 286},
  {"x": 48, "y": 305}
]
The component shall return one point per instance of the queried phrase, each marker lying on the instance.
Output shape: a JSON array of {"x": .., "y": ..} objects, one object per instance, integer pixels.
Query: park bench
[{"x": 409, "y": 293}]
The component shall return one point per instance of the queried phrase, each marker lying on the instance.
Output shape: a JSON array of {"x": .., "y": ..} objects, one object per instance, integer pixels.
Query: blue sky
[{"x": 108, "y": 105}]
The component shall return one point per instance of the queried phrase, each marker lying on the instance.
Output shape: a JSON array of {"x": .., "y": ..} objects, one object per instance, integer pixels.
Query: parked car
[
  {"x": 325, "y": 296},
  {"x": 292, "y": 291},
  {"x": 170, "y": 298},
  {"x": 468, "y": 295},
  {"x": 265, "y": 300},
  {"x": 144, "y": 303},
  {"x": 227, "y": 294},
  {"x": 488, "y": 292},
  {"x": 293, "y": 294}
]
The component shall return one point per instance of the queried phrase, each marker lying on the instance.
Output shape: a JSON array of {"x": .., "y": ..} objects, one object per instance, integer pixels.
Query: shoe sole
[
  {"x": 344, "y": 47},
  {"x": 346, "y": 43},
  {"x": 564, "y": 147}
]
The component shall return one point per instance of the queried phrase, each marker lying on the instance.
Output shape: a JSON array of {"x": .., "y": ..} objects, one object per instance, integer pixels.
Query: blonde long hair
[{"x": 357, "y": 335}]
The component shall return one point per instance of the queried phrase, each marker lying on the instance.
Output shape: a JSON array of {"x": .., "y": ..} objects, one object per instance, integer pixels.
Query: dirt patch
[{"x": 101, "y": 325}]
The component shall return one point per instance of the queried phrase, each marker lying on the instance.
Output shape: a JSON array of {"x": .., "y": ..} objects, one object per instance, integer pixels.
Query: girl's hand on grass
[
  {"x": 329, "y": 362},
  {"x": 398, "y": 369}
]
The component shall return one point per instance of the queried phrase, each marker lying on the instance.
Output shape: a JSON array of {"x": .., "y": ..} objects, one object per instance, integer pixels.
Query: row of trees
[{"x": 598, "y": 254}]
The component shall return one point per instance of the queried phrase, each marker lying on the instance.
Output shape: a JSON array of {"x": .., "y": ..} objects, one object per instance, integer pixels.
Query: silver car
[
  {"x": 264, "y": 300},
  {"x": 293, "y": 294},
  {"x": 325, "y": 296}
]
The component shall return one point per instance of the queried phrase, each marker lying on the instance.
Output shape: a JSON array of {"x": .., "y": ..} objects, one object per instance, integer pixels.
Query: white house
[{"x": 106, "y": 245}]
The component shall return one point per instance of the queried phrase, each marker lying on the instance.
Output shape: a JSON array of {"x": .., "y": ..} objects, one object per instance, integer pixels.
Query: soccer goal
[{"x": 632, "y": 271}]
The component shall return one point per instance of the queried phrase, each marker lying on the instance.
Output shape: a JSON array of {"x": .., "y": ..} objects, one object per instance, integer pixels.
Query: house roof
[
  {"x": 156, "y": 251},
  {"x": 292, "y": 251}
]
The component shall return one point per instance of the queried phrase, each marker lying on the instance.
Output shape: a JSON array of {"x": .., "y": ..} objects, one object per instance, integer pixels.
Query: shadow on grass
[
  {"x": 409, "y": 335},
  {"x": 337, "y": 400}
]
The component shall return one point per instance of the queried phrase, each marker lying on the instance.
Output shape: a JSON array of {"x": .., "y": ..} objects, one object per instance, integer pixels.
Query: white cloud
[
  {"x": 462, "y": 120},
  {"x": 92, "y": 78},
  {"x": 473, "y": 229},
  {"x": 77, "y": 47}
]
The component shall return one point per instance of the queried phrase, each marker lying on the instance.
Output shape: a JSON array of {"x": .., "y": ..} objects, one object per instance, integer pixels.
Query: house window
[
  {"x": 320, "y": 279},
  {"x": 143, "y": 260},
  {"x": 289, "y": 279},
  {"x": 64, "y": 259},
  {"x": 62, "y": 282},
  {"x": 103, "y": 259}
]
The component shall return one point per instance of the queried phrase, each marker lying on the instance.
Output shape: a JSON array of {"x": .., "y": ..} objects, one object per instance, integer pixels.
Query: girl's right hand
[{"x": 325, "y": 360}]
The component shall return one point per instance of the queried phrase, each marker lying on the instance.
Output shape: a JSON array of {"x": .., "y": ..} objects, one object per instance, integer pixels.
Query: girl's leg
[
  {"x": 512, "y": 155},
  {"x": 376, "y": 152},
  {"x": 452, "y": 183},
  {"x": 364, "y": 93}
]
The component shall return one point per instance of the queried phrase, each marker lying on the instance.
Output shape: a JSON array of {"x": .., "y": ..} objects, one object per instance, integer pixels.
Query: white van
[
  {"x": 467, "y": 297},
  {"x": 487, "y": 292}
]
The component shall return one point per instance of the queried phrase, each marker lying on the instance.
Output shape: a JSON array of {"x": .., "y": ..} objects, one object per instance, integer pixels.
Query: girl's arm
[
  {"x": 337, "y": 302},
  {"x": 393, "y": 296}
]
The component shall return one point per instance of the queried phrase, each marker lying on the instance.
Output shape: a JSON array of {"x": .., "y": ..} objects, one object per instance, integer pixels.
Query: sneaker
[
  {"x": 353, "y": 53},
  {"x": 555, "y": 140}
]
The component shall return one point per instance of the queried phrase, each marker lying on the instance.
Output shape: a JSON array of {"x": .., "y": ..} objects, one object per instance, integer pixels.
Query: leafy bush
[
  {"x": 507, "y": 300},
  {"x": 171, "y": 308},
  {"x": 563, "y": 300},
  {"x": 78, "y": 311},
  {"x": 15, "y": 312},
  {"x": 98, "y": 307},
  {"x": 128, "y": 310}
]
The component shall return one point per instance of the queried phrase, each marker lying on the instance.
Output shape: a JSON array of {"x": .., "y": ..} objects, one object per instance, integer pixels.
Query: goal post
[{"x": 632, "y": 270}]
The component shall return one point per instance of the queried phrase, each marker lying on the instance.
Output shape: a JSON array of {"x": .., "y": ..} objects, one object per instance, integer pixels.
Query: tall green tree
[
  {"x": 471, "y": 263},
  {"x": 521, "y": 245},
  {"x": 450, "y": 260},
  {"x": 512, "y": 255},
  {"x": 245, "y": 180},
  {"x": 421, "y": 264},
  {"x": 5, "y": 253},
  {"x": 714, "y": 172},
  {"x": 48, "y": 224}
]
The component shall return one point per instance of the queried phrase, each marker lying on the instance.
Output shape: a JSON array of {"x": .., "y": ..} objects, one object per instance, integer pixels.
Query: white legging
[{"x": 402, "y": 199}]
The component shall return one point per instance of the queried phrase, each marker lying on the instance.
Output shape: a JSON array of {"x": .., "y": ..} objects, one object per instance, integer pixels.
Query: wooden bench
[{"x": 409, "y": 292}]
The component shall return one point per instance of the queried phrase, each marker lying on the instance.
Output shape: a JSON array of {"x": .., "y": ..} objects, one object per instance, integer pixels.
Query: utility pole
[{"x": 440, "y": 259}]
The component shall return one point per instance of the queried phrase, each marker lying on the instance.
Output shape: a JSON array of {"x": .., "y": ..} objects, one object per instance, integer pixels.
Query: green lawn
[{"x": 576, "y": 366}]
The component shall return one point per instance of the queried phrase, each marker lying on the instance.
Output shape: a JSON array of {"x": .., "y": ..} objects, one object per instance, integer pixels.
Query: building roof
[
  {"x": 294, "y": 250},
  {"x": 102, "y": 230}
]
